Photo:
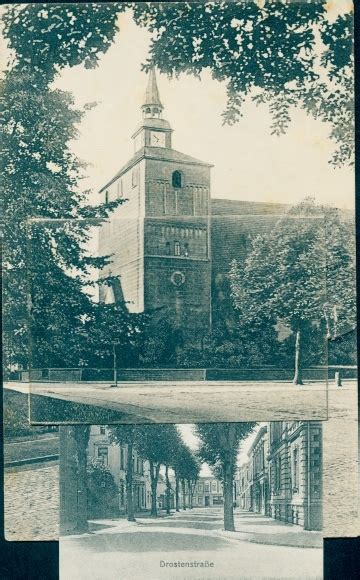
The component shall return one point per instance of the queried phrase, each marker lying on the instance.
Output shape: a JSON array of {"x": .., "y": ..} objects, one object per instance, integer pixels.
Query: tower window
[
  {"x": 177, "y": 179},
  {"x": 148, "y": 111},
  {"x": 167, "y": 248},
  {"x": 103, "y": 455},
  {"x": 186, "y": 249},
  {"x": 177, "y": 249}
]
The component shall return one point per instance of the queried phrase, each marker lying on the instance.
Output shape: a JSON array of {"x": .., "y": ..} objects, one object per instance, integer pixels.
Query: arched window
[
  {"x": 177, "y": 249},
  {"x": 167, "y": 248},
  {"x": 177, "y": 179},
  {"x": 186, "y": 249},
  {"x": 148, "y": 111}
]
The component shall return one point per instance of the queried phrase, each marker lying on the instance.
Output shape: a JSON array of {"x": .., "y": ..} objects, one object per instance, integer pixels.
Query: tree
[
  {"x": 219, "y": 446},
  {"x": 186, "y": 468},
  {"x": 128, "y": 435},
  {"x": 267, "y": 51},
  {"x": 102, "y": 490},
  {"x": 302, "y": 273},
  {"x": 45, "y": 210},
  {"x": 192, "y": 475},
  {"x": 173, "y": 446},
  {"x": 113, "y": 330},
  {"x": 80, "y": 435},
  {"x": 156, "y": 443},
  {"x": 48, "y": 38},
  {"x": 47, "y": 227}
]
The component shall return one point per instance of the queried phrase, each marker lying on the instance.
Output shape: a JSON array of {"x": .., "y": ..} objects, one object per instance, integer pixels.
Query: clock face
[
  {"x": 177, "y": 278},
  {"x": 157, "y": 139}
]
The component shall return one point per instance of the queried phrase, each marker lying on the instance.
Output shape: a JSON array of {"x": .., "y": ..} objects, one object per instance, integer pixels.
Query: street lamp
[{"x": 115, "y": 344}]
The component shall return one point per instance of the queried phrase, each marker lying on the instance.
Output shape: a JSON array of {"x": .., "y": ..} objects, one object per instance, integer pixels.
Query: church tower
[{"x": 160, "y": 236}]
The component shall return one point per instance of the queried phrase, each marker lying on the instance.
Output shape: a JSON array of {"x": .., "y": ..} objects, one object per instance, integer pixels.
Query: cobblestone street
[{"x": 32, "y": 502}]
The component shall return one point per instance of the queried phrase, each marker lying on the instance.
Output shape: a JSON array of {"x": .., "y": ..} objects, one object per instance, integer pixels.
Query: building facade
[
  {"x": 259, "y": 492},
  {"x": 208, "y": 492},
  {"x": 243, "y": 486},
  {"x": 295, "y": 473},
  {"x": 283, "y": 475},
  {"x": 114, "y": 457},
  {"x": 171, "y": 243}
]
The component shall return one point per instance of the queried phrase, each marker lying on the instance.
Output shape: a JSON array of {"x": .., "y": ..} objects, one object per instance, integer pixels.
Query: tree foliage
[
  {"x": 280, "y": 52},
  {"x": 47, "y": 38},
  {"x": 102, "y": 491},
  {"x": 302, "y": 273},
  {"x": 48, "y": 221}
]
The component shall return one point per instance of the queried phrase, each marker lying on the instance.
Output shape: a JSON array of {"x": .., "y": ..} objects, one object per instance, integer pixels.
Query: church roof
[
  {"x": 232, "y": 207},
  {"x": 153, "y": 123},
  {"x": 152, "y": 92},
  {"x": 157, "y": 153}
]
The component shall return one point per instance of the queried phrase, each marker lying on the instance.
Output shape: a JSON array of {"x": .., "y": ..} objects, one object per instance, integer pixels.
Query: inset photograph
[
  {"x": 229, "y": 329},
  {"x": 222, "y": 500},
  {"x": 179, "y": 214}
]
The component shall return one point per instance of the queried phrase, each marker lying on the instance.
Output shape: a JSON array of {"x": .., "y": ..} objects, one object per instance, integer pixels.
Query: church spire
[{"x": 152, "y": 107}]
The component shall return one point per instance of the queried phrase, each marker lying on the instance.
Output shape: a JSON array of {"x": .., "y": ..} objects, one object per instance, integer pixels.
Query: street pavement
[
  {"x": 30, "y": 447},
  {"x": 196, "y": 542},
  {"x": 175, "y": 402},
  {"x": 341, "y": 464},
  {"x": 31, "y": 502}
]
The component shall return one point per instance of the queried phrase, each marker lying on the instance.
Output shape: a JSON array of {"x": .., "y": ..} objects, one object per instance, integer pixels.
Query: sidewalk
[
  {"x": 261, "y": 529},
  {"x": 250, "y": 527}
]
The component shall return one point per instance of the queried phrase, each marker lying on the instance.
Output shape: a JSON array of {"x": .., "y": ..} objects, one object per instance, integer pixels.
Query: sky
[
  {"x": 189, "y": 437},
  {"x": 249, "y": 163}
]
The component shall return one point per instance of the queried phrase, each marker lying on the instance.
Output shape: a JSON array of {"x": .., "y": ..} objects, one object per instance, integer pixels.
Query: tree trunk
[
  {"x": 228, "y": 498},
  {"x": 129, "y": 484},
  {"x": 154, "y": 474},
  {"x": 115, "y": 365},
  {"x": 183, "y": 485},
  {"x": 177, "y": 498},
  {"x": 81, "y": 436},
  {"x": 168, "y": 489},
  {"x": 298, "y": 374},
  {"x": 190, "y": 494}
]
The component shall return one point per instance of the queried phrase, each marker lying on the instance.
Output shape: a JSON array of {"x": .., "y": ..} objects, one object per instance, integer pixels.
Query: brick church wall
[
  {"x": 161, "y": 196},
  {"x": 123, "y": 236},
  {"x": 188, "y": 305}
]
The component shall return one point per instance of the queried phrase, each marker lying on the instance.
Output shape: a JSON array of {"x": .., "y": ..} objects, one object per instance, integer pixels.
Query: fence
[{"x": 168, "y": 374}]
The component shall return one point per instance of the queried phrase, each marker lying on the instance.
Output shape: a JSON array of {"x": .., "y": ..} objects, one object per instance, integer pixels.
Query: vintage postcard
[
  {"x": 179, "y": 259},
  {"x": 219, "y": 500}
]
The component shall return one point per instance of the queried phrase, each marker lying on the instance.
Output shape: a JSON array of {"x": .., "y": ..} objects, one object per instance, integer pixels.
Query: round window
[{"x": 177, "y": 278}]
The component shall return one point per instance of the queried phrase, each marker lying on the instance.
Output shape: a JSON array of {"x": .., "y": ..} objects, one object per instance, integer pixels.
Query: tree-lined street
[{"x": 125, "y": 549}]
